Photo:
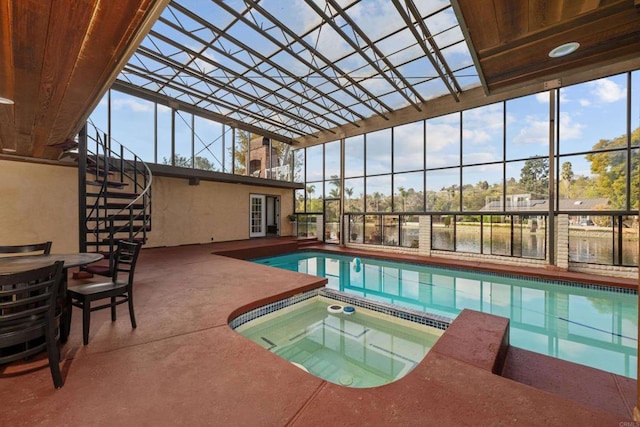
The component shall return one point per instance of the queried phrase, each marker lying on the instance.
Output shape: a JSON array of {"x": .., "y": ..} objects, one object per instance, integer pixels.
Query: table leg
[{"x": 65, "y": 308}]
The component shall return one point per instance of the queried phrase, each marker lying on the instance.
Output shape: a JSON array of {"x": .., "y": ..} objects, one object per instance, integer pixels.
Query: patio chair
[
  {"x": 27, "y": 316},
  {"x": 45, "y": 248},
  {"x": 117, "y": 291}
]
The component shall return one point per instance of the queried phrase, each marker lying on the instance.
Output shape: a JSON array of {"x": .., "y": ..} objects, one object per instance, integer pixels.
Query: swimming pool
[
  {"x": 362, "y": 349},
  {"x": 590, "y": 325}
]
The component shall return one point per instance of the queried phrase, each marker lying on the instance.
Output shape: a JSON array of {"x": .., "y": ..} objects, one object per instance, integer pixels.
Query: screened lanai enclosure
[{"x": 394, "y": 120}]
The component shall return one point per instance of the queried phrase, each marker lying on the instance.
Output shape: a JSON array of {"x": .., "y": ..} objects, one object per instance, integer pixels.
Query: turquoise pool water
[
  {"x": 363, "y": 349},
  {"x": 592, "y": 327}
]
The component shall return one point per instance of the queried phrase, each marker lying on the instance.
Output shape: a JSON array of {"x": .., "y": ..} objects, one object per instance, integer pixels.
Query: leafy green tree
[
  {"x": 201, "y": 163},
  {"x": 243, "y": 139},
  {"x": 610, "y": 170},
  {"x": 534, "y": 177}
]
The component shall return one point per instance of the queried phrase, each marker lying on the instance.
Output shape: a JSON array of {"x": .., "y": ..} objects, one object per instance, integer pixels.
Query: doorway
[
  {"x": 332, "y": 221},
  {"x": 264, "y": 216}
]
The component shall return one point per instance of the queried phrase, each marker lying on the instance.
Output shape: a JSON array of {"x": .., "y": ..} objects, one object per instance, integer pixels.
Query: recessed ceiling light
[
  {"x": 564, "y": 49},
  {"x": 5, "y": 100}
]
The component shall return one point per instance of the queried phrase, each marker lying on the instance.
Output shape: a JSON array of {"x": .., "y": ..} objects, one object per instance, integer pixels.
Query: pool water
[
  {"x": 593, "y": 327},
  {"x": 363, "y": 349}
]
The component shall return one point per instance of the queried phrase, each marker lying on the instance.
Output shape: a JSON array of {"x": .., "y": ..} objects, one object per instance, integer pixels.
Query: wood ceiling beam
[{"x": 7, "y": 82}]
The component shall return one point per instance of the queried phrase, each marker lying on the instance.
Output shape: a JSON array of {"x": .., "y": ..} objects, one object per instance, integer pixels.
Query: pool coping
[{"x": 419, "y": 317}]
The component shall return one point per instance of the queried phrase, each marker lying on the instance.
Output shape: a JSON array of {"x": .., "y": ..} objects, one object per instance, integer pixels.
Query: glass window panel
[
  {"x": 209, "y": 145},
  {"x": 610, "y": 177},
  {"x": 593, "y": 115},
  {"x": 100, "y": 116},
  {"x": 314, "y": 197},
  {"x": 379, "y": 152},
  {"x": 533, "y": 236},
  {"x": 527, "y": 185},
  {"x": 481, "y": 187},
  {"x": 468, "y": 234},
  {"x": 164, "y": 133},
  {"x": 635, "y": 109},
  {"x": 500, "y": 235},
  {"x": 314, "y": 163},
  {"x": 356, "y": 228},
  {"x": 354, "y": 195},
  {"x": 483, "y": 134},
  {"x": 228, "y": 148},
  {"x": 183, "y": 140},
  {"x": 372, "y": 230},
  {"x": 443, "y": 141},
  {"x": 516, "y": 236},
  {"x": 443, "y": 190},
  {"x": 379, "y": 193},
  {"x": 408, "y": 194},
  {"x": 575, "y": 184},
  {"x": 332, "y": 188},
  {"x": 409, "y": 231},
  {"x": 443, "y": 232},
  {"x": 527, "y": 126},
  {"x": 300, "y": 200},
  {"x": 591, "y": 239},
  {"x": 332, "y": 160},
  {"x": 408, "y": 147},
  {"x": 298, "y": 165},
  {"x": 132, "y": 123},
  {"x": 390, "y": 231},
  {"x": 281, "y": 161},
  {"x": 630, "y": 240},
  {"x": 635, "y": 177},
  {"x": 354, "y": 156},
  {"x": 486, "y": 234},
  {"x": 241, "y": 159}
]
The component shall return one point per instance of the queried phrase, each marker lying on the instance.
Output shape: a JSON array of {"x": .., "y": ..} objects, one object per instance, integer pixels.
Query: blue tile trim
[{"x": 420, "y": 317}]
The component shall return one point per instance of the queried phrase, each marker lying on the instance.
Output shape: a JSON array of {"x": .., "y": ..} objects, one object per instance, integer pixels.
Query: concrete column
[
  {"x": 562, "y": 242},
  {"x": 320, "y": 227},
  {"x": 424, "y": 236}
]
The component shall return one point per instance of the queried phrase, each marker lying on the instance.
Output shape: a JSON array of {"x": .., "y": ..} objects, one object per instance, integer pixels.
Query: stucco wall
[
  {"x": 185, "y": 214},
  {"x": 39, "y": 202}
]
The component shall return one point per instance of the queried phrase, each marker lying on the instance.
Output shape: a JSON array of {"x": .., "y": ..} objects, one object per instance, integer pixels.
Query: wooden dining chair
[
  {"x": 27, "y": 316},
  {"x": 117, "y": 291},
  {"x": 44, "y": 248}
]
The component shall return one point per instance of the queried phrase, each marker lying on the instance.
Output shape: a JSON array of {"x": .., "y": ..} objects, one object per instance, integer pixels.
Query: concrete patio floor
[{"x": 183, "y": 365}]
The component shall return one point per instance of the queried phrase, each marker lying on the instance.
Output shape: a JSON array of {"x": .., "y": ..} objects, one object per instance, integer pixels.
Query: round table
[{"x": 17, "y": 264}]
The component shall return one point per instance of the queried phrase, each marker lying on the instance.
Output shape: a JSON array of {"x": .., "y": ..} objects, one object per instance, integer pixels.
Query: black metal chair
[
  {"x": 45, "y": 248},
  {"x": 27, "y": 316},
  {"x": 117, "y": 291}
]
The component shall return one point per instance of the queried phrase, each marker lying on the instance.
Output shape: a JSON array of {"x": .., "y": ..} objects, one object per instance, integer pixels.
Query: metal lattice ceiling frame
[{"x": 244, "y": 63}]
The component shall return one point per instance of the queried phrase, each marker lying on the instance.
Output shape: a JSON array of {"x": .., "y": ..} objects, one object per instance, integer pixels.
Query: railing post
[{"x": 82, "y": 189}]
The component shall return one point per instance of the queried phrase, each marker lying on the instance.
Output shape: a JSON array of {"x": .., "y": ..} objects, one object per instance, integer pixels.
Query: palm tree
[{"x": 403, "y": 195}]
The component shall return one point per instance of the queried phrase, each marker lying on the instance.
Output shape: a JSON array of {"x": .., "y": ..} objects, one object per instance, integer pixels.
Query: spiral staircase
[{"x": 114, "y": 191}]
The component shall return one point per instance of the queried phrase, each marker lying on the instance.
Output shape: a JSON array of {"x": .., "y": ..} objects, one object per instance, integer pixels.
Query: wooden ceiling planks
[
  {"x": 7, "y": 140},
  {"x": 113, "y": 32},
  {"x": 61, "y": 56},
  {"x": 57, "y": 59},
  {"x": 527, "y": 30},
  {"x": 30, "y": 24}
]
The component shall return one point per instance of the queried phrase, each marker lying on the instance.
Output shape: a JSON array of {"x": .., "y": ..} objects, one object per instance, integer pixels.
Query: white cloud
[
  {"x": 542, "y": 97},
  {"x": 607, "y": 91},
  {"x": 132, "y": 105},
  {"x": 535, "y": 132},
  {"x": 584, "y": 102},
  {"x": 568, "y": 128}
]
